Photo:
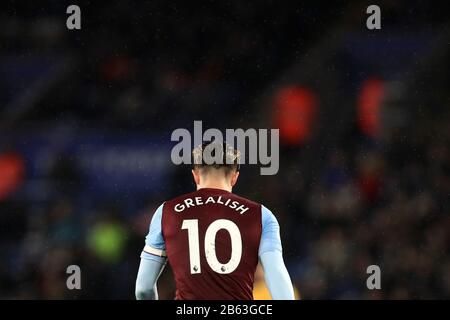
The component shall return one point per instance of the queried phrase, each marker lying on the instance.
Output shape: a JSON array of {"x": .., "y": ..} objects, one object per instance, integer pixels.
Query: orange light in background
[
  {"x": 369, "y": 106},
  {"x": 12, "y": 170},
  {"x": 295, "y": 109}
]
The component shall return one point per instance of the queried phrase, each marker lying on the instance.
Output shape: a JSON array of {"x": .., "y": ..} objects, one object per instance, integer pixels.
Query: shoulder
[
  {"x": 267, "y": 216},
  {"x": 247, "y": 202},
  {"x": 157, "y": 215},
  {"x": 179, "y": 198}
]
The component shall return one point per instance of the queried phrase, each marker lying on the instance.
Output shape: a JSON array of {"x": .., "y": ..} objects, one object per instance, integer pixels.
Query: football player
[{"x": 213, "y": 238}]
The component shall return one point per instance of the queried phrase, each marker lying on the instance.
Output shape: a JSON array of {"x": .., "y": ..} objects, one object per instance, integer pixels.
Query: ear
[
  {"x": 196, "y": 175},
  {"x": 234, "y": 177}
]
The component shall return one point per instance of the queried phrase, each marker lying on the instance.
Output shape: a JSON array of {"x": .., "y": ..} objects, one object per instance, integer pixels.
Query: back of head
[{"x": 216, "y": 158}]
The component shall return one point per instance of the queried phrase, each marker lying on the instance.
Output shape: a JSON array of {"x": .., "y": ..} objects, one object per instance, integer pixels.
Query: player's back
[{"x": 212, "y": 239}]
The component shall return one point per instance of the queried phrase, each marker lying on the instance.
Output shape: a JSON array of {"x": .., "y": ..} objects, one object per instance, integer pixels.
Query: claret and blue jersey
[{"x": 213, "y": 240}]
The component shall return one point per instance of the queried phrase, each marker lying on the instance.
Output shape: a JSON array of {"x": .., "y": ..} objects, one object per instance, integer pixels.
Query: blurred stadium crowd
[{"x": 365, "y": 160}]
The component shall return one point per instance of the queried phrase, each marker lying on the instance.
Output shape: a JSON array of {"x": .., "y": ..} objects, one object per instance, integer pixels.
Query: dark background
[{"x": 86, "y": 117}]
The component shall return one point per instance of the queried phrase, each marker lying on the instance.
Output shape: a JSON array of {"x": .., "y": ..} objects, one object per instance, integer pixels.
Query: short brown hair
[{"x": 229, "y": 159}]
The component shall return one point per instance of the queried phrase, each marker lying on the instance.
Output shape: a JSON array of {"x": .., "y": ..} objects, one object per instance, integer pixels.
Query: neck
[{"x": 215, "y": 185}]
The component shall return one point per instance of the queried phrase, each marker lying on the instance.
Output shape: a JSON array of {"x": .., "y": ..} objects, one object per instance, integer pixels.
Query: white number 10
[{"x": 210, "y": 245}]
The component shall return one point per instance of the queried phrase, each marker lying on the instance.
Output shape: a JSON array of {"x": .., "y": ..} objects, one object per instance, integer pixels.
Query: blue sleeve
[
  {"x": 271, "y": 257},
  {"x": 276, "y": 276},
  {"x": 148, "y": 274},
  {"x": 154, "y": 242},
  {"x": 270, "y": 236}
]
